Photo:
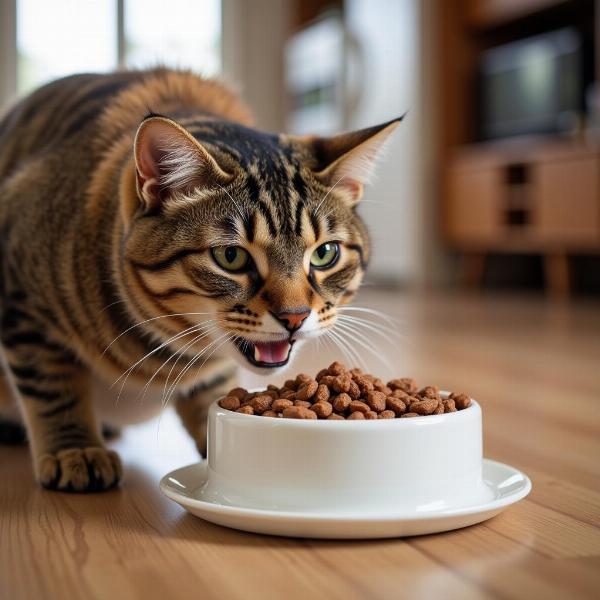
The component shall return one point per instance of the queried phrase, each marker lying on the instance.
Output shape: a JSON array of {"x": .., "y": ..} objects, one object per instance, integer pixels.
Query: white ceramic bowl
[{"x": 418, "y": 464}]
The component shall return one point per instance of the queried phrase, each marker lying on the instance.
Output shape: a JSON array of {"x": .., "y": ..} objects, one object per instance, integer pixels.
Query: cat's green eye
[
  {"x": 230, "y": 258},
  {"x": 325, "y": 255}
]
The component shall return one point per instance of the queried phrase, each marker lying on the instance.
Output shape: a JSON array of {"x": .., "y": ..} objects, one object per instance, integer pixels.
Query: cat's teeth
[{"x": 256, "y": 354}]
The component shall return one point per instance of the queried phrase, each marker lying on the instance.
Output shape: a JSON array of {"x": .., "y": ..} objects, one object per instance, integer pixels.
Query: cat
[{"x": 144, "y": 224}]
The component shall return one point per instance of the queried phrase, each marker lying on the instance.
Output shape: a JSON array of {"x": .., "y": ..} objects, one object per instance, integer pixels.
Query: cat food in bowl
[
  {"x": 372, "y": 464},
  {"x": 337, "y": 393}
]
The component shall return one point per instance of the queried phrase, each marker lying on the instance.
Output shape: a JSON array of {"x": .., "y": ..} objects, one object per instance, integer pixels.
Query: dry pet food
[{"x": 339, "y": 393}]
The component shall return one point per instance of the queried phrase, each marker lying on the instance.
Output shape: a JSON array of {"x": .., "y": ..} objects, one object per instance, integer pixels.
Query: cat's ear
[
  {"x": 347, "y": 161},
  {"x": 168, "y": 159}
]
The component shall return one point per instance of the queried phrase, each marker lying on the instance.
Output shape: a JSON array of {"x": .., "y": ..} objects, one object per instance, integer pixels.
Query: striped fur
[{"x": 113, "y": 189}]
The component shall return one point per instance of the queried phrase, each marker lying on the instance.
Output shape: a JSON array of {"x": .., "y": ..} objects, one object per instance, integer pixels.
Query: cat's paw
[{"x": 79, "y": 470}]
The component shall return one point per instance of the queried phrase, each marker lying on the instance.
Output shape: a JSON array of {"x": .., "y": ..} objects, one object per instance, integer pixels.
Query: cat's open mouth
[{"x": 265, "y": 354}]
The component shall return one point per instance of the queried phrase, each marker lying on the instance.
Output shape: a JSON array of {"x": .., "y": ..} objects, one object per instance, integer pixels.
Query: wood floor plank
[
  {"x": 508, "y": 569},
  {"x": 532, "y": 365}
]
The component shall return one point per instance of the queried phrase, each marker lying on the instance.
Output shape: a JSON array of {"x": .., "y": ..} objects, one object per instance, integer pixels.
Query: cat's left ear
[
  {"x": 347, "y": 161},
  {"x": 169, "y": 160}
]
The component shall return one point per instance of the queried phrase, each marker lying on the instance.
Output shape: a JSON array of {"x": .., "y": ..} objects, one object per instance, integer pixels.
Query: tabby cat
[{"x": 149, "y": 235}]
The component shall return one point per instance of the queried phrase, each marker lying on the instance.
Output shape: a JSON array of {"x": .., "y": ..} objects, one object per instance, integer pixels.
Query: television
[{"x": 535, "y": 85}]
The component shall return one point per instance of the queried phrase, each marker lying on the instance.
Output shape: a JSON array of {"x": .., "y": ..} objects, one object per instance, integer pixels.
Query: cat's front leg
[
  {"x": 193, "y": 406},
  {"x": 52, "y": 390}
]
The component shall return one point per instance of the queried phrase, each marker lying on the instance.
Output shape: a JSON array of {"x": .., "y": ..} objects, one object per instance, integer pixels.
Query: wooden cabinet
[
  {"x": 566, "y": 202},
  {"x": 474, "y": 208},
  {"x": 536, "y": 198}
]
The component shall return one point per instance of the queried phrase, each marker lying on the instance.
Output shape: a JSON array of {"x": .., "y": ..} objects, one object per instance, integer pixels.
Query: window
[
  {"x": 62, "y": 37},
  {"x": 179, "y": 33}
]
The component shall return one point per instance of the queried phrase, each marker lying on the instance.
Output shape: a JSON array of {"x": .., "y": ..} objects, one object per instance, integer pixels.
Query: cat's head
[{"x": 254, "y": 235}]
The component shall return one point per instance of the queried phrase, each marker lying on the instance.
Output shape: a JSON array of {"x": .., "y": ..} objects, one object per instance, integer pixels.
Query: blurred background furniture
[{"x": 519, "y": 141}]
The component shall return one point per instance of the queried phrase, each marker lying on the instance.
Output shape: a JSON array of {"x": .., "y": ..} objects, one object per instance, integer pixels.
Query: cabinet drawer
[
  {"x": 566, "y": 200},
  {"x": 474, "y": 204}
]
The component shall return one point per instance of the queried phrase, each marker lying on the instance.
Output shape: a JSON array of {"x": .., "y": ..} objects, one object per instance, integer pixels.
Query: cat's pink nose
[{"x": 293, "y": 320}]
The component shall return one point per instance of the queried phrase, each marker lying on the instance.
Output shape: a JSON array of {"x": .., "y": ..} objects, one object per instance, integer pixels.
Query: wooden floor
[{"x": 534, "y": 367}]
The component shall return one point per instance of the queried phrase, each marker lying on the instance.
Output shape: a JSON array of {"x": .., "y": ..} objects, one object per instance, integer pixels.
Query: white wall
[
  {"x": 254, "y": 35},
  {"x": 389, "y": 34}
]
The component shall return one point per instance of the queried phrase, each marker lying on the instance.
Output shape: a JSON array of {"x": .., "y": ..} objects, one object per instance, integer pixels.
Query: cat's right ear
[{"x": 169, "y": 161}]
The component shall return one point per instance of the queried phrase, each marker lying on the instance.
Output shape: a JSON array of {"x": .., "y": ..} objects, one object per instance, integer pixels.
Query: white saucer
[{"x": 506, "y": 485}]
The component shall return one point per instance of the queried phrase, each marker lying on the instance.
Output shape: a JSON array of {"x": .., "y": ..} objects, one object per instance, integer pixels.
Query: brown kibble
[
  {"x": 299, "y": 412},
  {"x": 337, "y": 368},
  {"x": 449, "y": 405},
  {"x": 229, "y": 403},
  {"x": 302, "y": 378},
  {"x": 358, "y": 406},
  {"x": 335, "y": 417},
  {"x": 396, "y": 405},
  {"x": 376, "y": 401},
  {"x": 322, "y": 373},
  {"x": 379, "y": 385},
  {"x": 386, "y": 414},
  {"x": 424, "y": 407},
  {"x": 461, "y": 401},
  {"x": 341, "y": 402},
  {"x": 341, "y": 383},
  {"x": 327, "y": 380},
  {"x": 406, "y": 384},
  {"x": 323, "y": 409},
  {"x": 238, "y": 392},
  {"x": 339, "y": 393},
  {"x": 280, "y": 405},
  {"x": 356, "y": 415},
  {"x": 307, "y": 390},
  {"x": 354, "y": 391},
  {"x": 364, "y": 385},
  {"x": 397, "y": 393},
  {"x": 303, "y": 403},
  {"x": 261, "y": 403},
  {"x": 322, "y": 394},
  {"x": 429, "y": 391}
]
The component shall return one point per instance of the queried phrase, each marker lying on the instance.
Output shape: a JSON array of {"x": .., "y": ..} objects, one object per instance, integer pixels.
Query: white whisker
[
  {"x": 189, "y": 365},
  {"x": 356, "y": 337},
  {"x": 172, "y": 339},
  {"x": 184, "y": 350},
  {"x": 357, "y": 324},
  {"x": 371, "y": 311},
  {"x": 148, "y": 321},
  {"x": 349, "y": 347},
  {"x": 179, "y": 353}
]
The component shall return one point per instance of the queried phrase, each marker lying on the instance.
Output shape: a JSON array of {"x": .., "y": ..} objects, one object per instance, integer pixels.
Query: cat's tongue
[{"x": 271, "y": 352}]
